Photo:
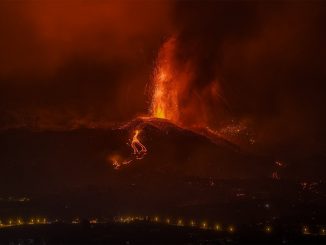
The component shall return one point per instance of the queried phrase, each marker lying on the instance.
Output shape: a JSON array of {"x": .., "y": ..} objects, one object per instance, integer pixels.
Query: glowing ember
[
  {"x": 279, "y": 164},
  {"x": 139, "y": 149},
  {"x": 275, "y": 175},
  {"x": 117, "y": 161}
]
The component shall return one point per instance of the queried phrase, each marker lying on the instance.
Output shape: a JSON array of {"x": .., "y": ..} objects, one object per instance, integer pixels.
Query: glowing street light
[
  {"x": 231, "y": 229},
  {"x": 204, "y": 225},
  {"x": 305, "y": 230},
  {"x": 268, "y": 229}
]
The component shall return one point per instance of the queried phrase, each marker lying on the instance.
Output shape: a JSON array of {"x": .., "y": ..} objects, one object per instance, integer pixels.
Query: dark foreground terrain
[
  {"x": 145, "y": 233},
  {"x": 61, "y": 178}
]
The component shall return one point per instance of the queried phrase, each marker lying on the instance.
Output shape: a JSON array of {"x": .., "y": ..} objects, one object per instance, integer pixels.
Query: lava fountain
[
  {"x": 165, "y": 95},
  {"x": 178, "y": 92},
  {"x": 139, "y": 152}
]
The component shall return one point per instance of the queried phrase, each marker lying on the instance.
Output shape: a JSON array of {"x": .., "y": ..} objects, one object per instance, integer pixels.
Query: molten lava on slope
[{"x": 171, "y": 149}]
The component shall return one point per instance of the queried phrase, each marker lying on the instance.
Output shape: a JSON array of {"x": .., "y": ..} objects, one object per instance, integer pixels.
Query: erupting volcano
[{"x": 175, "y": 103}]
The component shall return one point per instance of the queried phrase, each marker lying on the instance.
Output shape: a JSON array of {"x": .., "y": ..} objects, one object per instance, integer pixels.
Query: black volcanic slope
[
  {"x": 177, "y": 150},
  {"x": 81, "y": 156}
]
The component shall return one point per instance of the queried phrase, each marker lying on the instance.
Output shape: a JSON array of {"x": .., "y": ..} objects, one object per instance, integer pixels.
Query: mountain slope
[{"x": 81, "y": 156}]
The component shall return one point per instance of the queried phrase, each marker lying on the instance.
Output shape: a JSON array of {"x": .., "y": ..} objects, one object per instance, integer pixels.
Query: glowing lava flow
[
  {"x": 117, "y": 161},
  {"x": 139, "y": 149},
  {"x": 177, "y": 97}
]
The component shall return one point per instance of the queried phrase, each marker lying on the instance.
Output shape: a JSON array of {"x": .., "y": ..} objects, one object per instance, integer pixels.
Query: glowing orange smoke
[
  {"x": 175, "y": 96},
  {"x": 167, "y": 84},
  {"x": 139, "y": 150}
]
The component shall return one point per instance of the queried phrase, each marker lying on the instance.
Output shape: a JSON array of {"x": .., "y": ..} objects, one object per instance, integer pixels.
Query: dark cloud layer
[
  {"x": 89, "y": 63},
  {"x": 269, "y": 60}
]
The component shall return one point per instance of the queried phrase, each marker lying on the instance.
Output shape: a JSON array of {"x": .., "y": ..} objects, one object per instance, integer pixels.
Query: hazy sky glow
[{"x": 90, "y": 63}]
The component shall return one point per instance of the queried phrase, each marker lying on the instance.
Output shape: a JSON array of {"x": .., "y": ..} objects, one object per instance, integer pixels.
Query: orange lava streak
[
  {"x": 139, "y": 149},
  {"x": 116, "y": 164},
  {"x": 117, "y": 161}
]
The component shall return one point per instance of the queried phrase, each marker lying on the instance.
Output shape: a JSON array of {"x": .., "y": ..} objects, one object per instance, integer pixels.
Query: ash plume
[{"x": 86, "y": 64}]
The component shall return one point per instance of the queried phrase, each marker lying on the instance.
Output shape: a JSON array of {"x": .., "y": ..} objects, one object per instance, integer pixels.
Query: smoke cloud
[
  {"x": 77, "y": 62},
  {"x": 86, "y": 63}
]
